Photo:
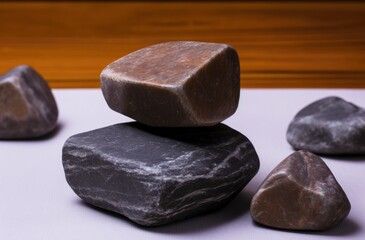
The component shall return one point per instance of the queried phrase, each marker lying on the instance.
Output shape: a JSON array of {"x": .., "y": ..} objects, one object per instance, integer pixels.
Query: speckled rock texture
[
  {"x": 301, "y": 193},
  {"x": 155, "y": 176},
  {"x": 329, "y": 126},
  {"x": 27, "y": 106},
  {"x": 175, "y": 84}
]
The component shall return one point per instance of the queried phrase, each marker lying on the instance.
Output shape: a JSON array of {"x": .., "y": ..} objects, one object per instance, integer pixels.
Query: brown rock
[
  {"x": 301, "y": 193},
  {"x": 175, "y": 84},
  {"x": 27, "y": 106}
]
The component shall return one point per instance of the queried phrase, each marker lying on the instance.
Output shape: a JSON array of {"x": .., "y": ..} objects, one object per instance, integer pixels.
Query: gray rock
[
  {"x": 27, "y": 106},
  {"x": 175, "y": 84},
  {"x": 329, "y": 126},
  {"x": 301, "y": 193},
  {"x": 155, "y": 176}
]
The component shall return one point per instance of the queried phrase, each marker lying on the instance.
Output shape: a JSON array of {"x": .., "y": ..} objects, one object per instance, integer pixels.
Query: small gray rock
[
  {"x": 301, "y": 193},
  {"x": 175, "y": 84},
  {"x": 329, "y": 126},
  {"x": 155, "y": 176},
  {"x": 27, "y": 106}
]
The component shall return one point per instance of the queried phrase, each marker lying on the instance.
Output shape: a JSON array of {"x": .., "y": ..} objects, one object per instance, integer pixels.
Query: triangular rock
[
  {"x": 27, "y": 106},
  {"x": 301, "y": 193},
  {"x": 175, "y": 84}
]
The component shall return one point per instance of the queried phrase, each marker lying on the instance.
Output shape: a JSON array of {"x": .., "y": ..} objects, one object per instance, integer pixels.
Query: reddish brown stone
[
  {"x": 175, "y": 84},
  {"x": 301, "y": 193},
  {"x": 27, "y": 106}
]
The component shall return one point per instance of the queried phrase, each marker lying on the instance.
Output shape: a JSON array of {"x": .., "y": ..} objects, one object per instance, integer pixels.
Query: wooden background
[{"x": 280, "y": 44}]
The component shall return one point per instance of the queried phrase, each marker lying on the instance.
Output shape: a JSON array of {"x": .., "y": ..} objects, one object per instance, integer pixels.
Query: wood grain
[{"x": 281, "y": 45}]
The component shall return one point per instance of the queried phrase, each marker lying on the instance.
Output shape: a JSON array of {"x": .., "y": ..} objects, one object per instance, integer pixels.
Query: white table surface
[{"x": 37, "y": 203}]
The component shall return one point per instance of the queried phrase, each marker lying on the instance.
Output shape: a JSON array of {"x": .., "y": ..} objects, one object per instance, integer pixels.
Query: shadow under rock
[
  {"x": 108, "y": 213},
  {"x": 343, "y": 157},
  {"x": 348, "y": 158},
  {"x": 45, "y": 137},
  {"x": 346, "y": 228},
  {"x": 239, "y": 206},
  {"x": 196, "y": 136},
  {"x": 234, "y": 209},
  {"x": 51, "y": 134}
]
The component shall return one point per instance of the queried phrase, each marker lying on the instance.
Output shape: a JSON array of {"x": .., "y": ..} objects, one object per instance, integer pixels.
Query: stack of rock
[{"x": 177, "y": 160}]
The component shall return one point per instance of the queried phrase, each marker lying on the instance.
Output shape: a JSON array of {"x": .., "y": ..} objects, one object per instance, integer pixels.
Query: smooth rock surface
[
  {"x": 301, "y": 193},
  {"x": 155, "y": 176},
  {"x": 329, "y": 126},
  {"x": 175, "y": 84},
  {"x": 27, "y": 106}
]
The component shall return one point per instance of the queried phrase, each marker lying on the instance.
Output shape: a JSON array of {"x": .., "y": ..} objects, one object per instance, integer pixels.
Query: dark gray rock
[
  {"x": 155, "y": 176},
  {"x": 329, "y": 126},
  {"x": 301, "y": 193},
  {"x": 27, "y": 106},
  {"x": 175, "y": 84}
]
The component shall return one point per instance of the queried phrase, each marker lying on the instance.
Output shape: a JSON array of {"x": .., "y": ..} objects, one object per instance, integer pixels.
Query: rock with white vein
[
  {"x": 175, "y": 84},
  {"x": 27, "y": 106},
  {"x": 329, "y": 126},
  {"x": 155, "y": 176},
  {"x": 301, "y": 193}
]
